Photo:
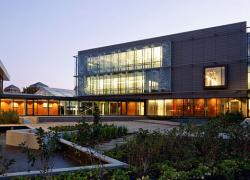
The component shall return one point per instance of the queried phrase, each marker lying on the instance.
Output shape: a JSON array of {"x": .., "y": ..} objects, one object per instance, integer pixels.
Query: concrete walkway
[
  {"x": 133, "y": 126},
  {"x": 167, "y": 123}
]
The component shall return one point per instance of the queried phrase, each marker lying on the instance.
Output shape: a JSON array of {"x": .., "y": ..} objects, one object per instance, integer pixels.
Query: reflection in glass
[
  {"x": 19, "y": 106},
  {"x": 132, "y": 59},
  {"x": 115, "y": 83},
  {"x": 168, "y": 107},
  {"x": 6, "y": 105},
  {"x": 178, "y": 107},
  {"x": 199, "y": 106},
  {"x": 188, "y": 107},
  {"x": 53, "y": 107}
]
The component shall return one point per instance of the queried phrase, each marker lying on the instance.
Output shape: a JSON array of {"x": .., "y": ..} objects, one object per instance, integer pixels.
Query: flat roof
[
  {"x": 215, "y": 29},
  {"x": 4, "y": 73}
]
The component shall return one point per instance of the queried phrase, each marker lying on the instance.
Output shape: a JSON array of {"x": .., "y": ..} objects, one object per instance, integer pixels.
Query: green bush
[
  {"x": 192, "y": 152},
  {"x": 9, "y": 117},
  {"x": 216, "y": 150},
  {"x": 91, "y": 134},
  {"x": 229, "y": 119}
]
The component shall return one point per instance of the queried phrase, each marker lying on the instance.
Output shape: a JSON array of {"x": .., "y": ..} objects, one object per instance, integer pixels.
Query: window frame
[{"x": 215, "y": 87}]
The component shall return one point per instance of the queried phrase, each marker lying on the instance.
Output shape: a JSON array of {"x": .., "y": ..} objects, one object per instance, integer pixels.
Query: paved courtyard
[{"x": 132, "y": 126}]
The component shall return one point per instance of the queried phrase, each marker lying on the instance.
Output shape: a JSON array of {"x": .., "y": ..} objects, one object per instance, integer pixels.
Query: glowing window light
[
  {"x": 215, "y": 76},
  {"x": 45, "y": 105},
  {"x": 15, "y": 105}
]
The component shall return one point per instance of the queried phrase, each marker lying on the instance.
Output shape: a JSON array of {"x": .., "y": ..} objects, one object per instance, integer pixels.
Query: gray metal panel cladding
[{"x": 186, "y": 54}]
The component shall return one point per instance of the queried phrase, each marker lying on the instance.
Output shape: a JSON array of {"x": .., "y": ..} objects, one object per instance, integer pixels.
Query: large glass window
[
  {"x": 114, "y": 108},
  {"x": 157, "y": 54},
  {"x": 178, "y": 107},
  {"x": 215, "y": 77},
  {"x": 188, "y": 107},
  {"x": 199, "y": 107},
  {"x": 123, "y": 72},
  {"x": 115, "y": 83},
  {"x": 123, "y": 61},
  {"x": 53, "y": 107},
  {"x": 211, "y": 107},
  {"x": 138, "y": 59},
  {"x": 147, "y": 57},
  {"x": 6, "y": 105},
  {"x": 41, "y": 107},
  {"x": 147, "y": 54},
  {"x": 131, "y": 59},
  {"x": 151, "y": 110},
  {"x": 86, "y": 108},
  {"x": 30, "y": 107},
  {"x": 168, "y": 107},
  {"x": 19, "y": 106}
]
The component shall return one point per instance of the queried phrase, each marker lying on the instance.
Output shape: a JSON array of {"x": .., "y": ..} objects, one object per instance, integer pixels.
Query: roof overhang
[{"x": 3, "y": 72}]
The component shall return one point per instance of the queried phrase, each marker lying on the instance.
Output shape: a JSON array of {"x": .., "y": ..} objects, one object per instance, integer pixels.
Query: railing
[{"x": 84, "y": 112}]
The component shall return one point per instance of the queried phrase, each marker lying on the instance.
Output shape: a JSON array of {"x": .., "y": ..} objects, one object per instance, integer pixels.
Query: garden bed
[{"x": 68, "y": 158}]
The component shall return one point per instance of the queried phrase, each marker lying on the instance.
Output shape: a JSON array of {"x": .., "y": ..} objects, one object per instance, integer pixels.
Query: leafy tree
[
  {"x": 48, "y": 146},
  {"x": 30, "y": 90}
]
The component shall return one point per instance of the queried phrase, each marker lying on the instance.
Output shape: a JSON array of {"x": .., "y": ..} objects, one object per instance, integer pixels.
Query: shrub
[
  {"x": 9, "y": 117},
  {"x": 191, "y": 151},
  {"x": 90, "y": 135},
  {"x": 48, "y": 146},
  {"x": 230, "y": 118}
]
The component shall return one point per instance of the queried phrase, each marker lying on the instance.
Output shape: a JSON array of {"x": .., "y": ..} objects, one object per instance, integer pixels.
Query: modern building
[
  {"x": 197, "y": 73},
  {"x": 200, "y": 73},
  {"x": 4, "y": 76}
]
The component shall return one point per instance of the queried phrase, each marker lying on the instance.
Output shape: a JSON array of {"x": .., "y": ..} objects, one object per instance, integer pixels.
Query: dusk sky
[{"x": 38, "y": 39}]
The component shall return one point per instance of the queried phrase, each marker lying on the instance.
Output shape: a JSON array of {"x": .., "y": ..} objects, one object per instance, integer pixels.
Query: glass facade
[
  {"x": 128, "y": 72},
  {"x": 196, "y": 107},
  {"x": 215, "y": 76},
  {"x": 136, "y": 59},
  {"x": 210, "y": 107},
  {"x": 45, "y": 107},
  {"x": 123, "y": 83}
]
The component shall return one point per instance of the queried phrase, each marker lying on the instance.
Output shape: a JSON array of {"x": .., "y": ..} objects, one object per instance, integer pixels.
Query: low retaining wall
[
  {"x": 41, "y": 119},
  {"x": 27, "y": 136}
]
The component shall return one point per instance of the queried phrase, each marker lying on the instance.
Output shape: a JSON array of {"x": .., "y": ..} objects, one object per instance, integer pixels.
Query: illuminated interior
[
  {"x": 134, "y": 59},
  {"x": 215, "y": 76},
  {"x": 161, "y": 107},
  {"x": 196, "y": 107},
  {"x": 124, "y": 72},
  {"x": 116, "y": 83}
]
